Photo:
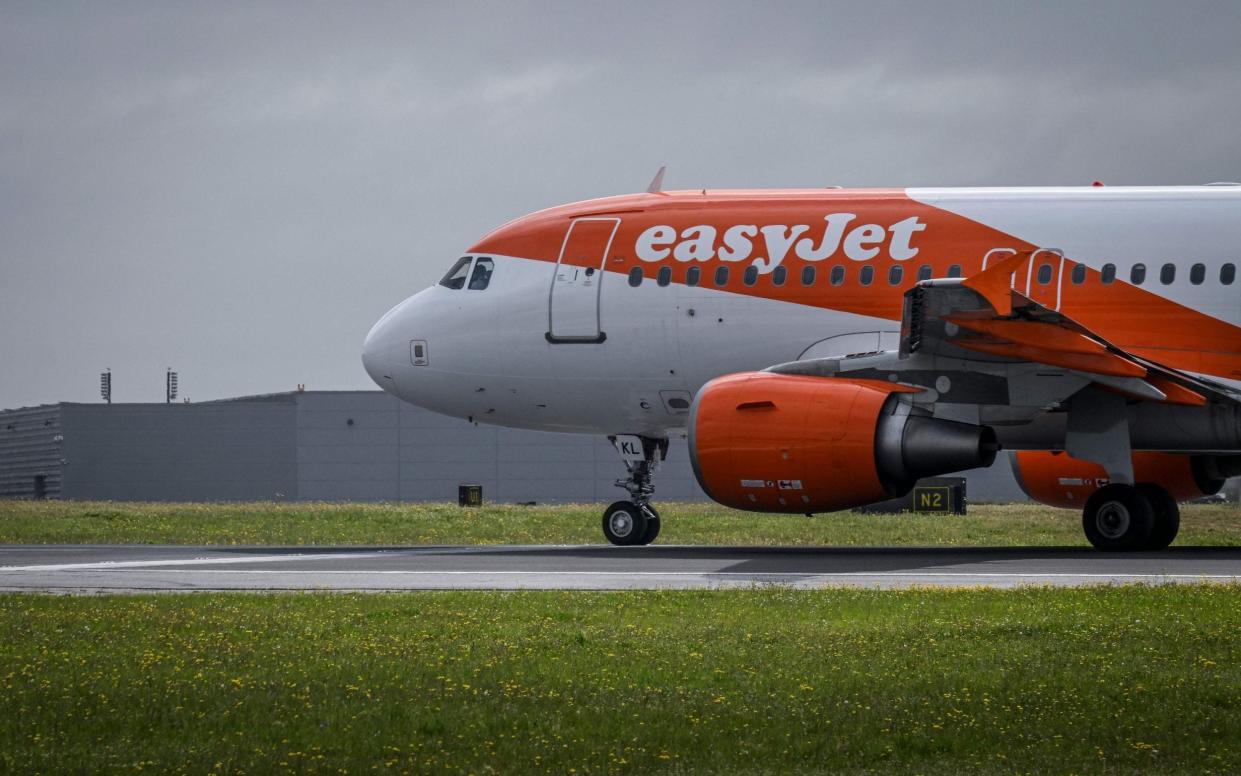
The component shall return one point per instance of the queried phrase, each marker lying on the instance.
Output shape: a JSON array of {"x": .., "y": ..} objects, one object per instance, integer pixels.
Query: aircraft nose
[
  {"x": 377, "y": 353},
  {"x": 396, "y": 346}
]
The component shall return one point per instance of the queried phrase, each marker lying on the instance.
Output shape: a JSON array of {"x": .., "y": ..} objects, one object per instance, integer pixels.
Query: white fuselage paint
[
  {"x": 489, "y": 359},
  {"x": 1122, "y": 226}
]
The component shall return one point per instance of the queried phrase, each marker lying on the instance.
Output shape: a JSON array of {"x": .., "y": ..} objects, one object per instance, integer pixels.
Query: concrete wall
[
  {"x": 393, "y": 451},
  {"x": 328, "y": 446},
  {"x": 368, "y": 446},
  {"x": 30, "y": 448},
  {"x": 347, "y": 446},
  {"x": 225, "y": 451}
]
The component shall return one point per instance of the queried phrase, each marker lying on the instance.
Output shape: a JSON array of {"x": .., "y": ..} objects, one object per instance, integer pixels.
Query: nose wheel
[
  {"x": 627, "y": 524},
  {"x": 635, "y": 521}
]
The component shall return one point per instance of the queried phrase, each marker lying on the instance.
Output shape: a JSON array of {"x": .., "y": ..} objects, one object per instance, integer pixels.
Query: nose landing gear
[{"x": 635, "y": 522}]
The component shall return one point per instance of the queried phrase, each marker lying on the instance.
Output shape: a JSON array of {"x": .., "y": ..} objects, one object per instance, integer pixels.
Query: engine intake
[{"x": 786, "y": 443}]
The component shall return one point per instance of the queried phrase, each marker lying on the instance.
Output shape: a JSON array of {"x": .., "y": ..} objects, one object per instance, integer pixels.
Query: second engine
[{"x": 1059, "y": 480}]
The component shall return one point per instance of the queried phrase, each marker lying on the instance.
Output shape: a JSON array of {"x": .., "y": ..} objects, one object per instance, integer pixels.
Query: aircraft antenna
[{"x": 657, "y": 183}]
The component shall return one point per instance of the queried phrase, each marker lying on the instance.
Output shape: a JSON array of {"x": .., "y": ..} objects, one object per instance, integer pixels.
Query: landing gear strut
[
  {"x": 1121, "y": 517},
  {"x": 635, "y": 522}
]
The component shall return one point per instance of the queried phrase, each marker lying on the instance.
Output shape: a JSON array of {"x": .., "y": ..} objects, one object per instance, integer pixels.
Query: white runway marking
[
  {"x": 123, "y": 569},
  {"x": 104, "y": 565},
  {"x": 735, "y": 574}
]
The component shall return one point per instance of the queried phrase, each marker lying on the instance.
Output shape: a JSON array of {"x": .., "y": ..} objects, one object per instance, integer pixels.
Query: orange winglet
[
  {"x": 1103, "y": 363},
  {"x": 1033, "y": 333},
  {"x": 995, "y": 283},
  {"x": 1177, "y": 393}
]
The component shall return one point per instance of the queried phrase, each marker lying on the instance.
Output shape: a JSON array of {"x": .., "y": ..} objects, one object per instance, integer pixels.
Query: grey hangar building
[{"x": 325, "y": 446}]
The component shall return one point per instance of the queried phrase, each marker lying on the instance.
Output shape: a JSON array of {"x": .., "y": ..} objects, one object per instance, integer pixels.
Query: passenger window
[
  {"x": 1137, "y": 275},
  {"x": 481, "y": 276},
  {"x": 1044, "y": 274},
  {"x": 867, "y": 275},
  {"x": 692, "y": 275},
  {"x": 954, "y": 271},
  {"x": 721, "y": 276},
  {"x": 807, "y": 276},
  {"x": 1108, "y": 275},
  {"x": 664, "y": 276},
  {"x": 838, "y": 275},
  {"x": 1227, "y": 274},
  {"x": 895, "y": 273},
  {"x": 635, "y": 277},
  {"x": 750, "y": 276},
  {"x": 1167, "y": 274},
  {"x": 1197, "y": 274},
  {"x": 1079, "y": 274},
  {"x": 456, "y": 276},
  {"x": 778, "y": 277},
  {"x": 924, "y": 272}
]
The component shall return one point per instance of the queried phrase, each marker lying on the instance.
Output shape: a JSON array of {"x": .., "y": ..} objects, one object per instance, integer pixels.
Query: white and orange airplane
[{"x": 826, "y": 348}]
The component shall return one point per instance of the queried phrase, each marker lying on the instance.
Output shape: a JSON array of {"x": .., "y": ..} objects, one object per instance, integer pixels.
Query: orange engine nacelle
[
  {"x": 769, "y": 442},
  {"x": 1060, "y": 480}
]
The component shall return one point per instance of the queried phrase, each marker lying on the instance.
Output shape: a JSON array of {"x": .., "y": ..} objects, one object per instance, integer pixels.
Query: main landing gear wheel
[
  {"x": 1118, "y": 517},
  {"x": 626, "y": 524},
  {"x": 1167, "y": 515}
]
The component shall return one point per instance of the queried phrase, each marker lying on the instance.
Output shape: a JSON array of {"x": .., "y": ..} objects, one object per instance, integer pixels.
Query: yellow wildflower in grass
[{"x": 835, "y": 680}]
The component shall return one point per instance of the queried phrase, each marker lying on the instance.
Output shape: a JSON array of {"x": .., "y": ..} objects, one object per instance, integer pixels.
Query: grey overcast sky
[{"x": 239, "y": 190}]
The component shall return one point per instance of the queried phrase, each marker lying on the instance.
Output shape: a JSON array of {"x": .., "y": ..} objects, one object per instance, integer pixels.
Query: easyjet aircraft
[{"x": 826, "y": 348}]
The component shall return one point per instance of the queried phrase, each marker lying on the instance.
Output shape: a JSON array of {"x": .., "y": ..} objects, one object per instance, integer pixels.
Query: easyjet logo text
[{"x": 766, "y": 247}]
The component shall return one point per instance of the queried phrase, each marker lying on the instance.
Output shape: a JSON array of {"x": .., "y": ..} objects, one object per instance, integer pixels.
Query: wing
[
  {"x": 983, "y": 353},
  {"x": 985, "y": 314},
  {"x": 978, "y": 340}
]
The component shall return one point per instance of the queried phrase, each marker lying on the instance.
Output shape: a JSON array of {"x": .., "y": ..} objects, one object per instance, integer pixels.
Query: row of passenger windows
[
  {"x": 1167, "y": 274},
  {"x": 896, "y": 274},
  {"x": 480, "y": 276},
  {"x": 779, "y": 276}
]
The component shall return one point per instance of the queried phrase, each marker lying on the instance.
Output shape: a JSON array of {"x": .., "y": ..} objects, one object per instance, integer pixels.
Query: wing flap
[
  {"x": 1104, "y": 363},
  {"x": 1176, "y": 393},
  {"x": 1045, "y": 336},
  {"x": 984, "y": 314}
]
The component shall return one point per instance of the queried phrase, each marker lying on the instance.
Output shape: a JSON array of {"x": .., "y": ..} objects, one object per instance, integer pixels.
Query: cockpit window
[
  {"x": 457, "y": 275},
  {"x": 482, "y": 273}
]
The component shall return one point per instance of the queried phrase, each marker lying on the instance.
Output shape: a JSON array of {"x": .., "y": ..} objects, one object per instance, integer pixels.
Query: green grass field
[
  {"x": 1098, "y": 680},
  {"x": 50, "y": 522}
]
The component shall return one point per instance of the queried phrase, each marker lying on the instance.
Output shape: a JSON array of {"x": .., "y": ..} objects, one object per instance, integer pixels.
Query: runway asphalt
[{"x": 146, "y": 568}]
